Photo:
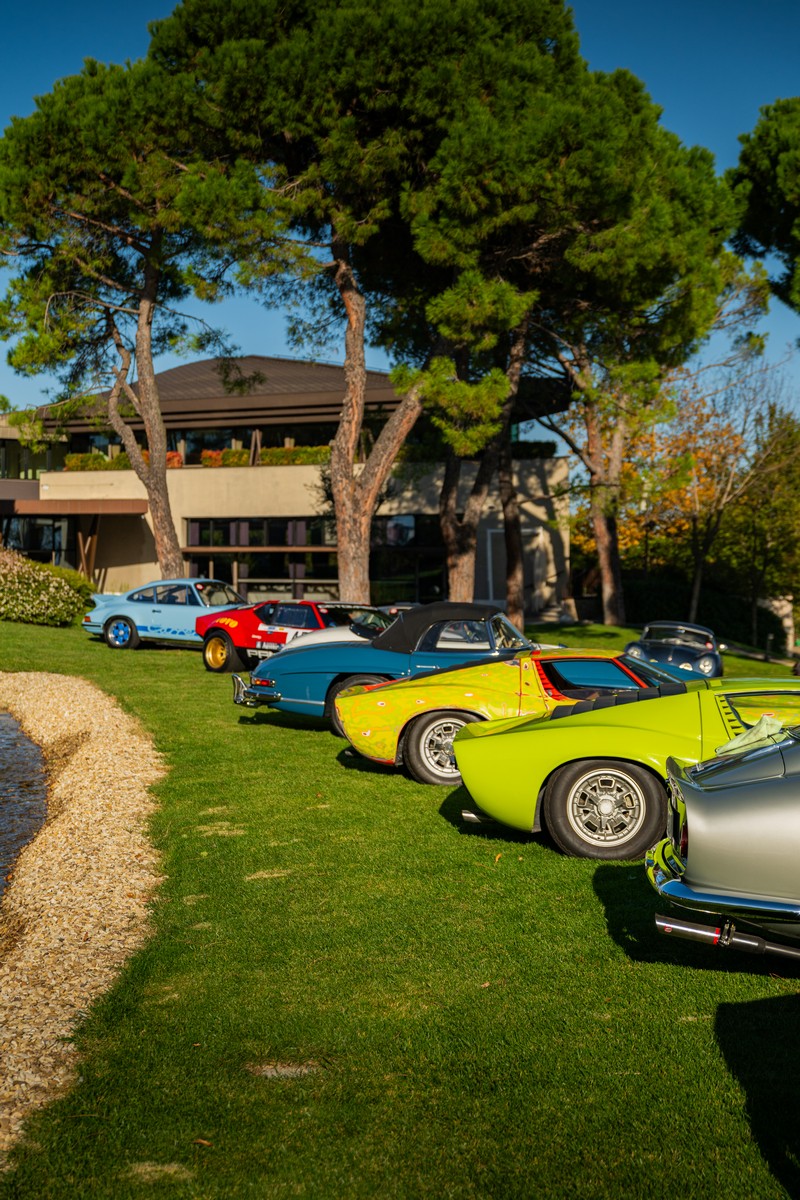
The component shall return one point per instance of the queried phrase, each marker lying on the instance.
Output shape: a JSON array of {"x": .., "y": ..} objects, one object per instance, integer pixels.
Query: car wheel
[
  {"x": 604, "y": 809},
  {"x": 341, "y": 686},
  {"x": 220, "y": 654},
  {"x": 428, "y": 747},
  {"x": 120, "y": 633}
]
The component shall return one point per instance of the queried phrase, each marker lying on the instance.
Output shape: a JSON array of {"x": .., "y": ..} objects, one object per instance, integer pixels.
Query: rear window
[{"x": 586, "y": 675}]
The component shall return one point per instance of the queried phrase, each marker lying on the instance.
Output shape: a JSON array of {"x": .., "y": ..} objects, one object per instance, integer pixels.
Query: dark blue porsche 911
[{"x": 307, "y": 680}]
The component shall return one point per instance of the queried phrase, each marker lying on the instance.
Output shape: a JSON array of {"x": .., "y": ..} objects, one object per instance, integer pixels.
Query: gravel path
[{"x": 77, "y": 903}]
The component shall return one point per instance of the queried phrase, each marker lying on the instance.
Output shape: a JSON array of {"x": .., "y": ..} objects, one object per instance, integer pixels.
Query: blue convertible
[
  {"x": 163, "y": 611},
  {"x": 307, "y": 680}
]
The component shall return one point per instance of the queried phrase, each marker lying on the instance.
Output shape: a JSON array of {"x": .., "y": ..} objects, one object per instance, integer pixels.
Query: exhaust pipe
[{"x": 725, "y": 935}]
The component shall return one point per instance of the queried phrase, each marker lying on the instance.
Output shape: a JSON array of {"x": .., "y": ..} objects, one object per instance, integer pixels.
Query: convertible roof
[{"x": 403, "y": 635}]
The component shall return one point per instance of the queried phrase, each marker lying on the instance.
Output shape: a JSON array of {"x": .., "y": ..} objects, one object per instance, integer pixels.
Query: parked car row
[{"x": 617, "y": 755}]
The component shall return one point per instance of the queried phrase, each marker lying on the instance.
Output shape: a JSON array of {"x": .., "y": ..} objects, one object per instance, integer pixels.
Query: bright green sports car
[{"x": 593, "y": 773}]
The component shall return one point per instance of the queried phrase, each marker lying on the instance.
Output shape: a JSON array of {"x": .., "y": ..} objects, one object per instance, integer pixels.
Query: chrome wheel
[
  {"x": 437, "y": 747},
  {"x": 606, "y": 808},
  {"x": 429, "y": 747}
]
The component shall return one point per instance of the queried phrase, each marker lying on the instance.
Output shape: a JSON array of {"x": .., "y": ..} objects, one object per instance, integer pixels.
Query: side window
[
  {"x": 750, "y": 706},
  {"x": 266, "y": 613},
  {"x": 145, "y": 596},
  {"x": 298, "y": 616},
  {"x": 172, "y": 593},
  {"x": 457, "y": 636},
  {"x": 586, "y": 675}
]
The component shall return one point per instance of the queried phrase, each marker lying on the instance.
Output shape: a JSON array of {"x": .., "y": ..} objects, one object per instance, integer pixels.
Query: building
[{"x": 267, "y": 529}]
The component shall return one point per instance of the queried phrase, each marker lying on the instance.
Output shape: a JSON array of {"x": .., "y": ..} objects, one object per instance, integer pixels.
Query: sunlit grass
[{"x": 445, "y": 1012}]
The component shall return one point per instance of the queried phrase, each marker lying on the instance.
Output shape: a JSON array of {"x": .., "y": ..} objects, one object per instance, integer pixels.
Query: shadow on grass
[
  {"x": 351, "y": 760},
  {"x": 630, "y": 906},
  {"x": 451, "y": 809},
  {"x": 282, "y": 720},
  {"x": 760, "y": 1041}
]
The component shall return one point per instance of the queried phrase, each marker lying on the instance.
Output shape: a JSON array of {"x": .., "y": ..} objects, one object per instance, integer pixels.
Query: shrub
[
  {"x": 95, "y": 461},
  {"x": 278, "y": 456},
  {"x": 36, "y": 594}
]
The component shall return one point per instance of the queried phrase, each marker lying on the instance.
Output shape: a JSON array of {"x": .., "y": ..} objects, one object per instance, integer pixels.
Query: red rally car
[{"x": 233, "y": 639}]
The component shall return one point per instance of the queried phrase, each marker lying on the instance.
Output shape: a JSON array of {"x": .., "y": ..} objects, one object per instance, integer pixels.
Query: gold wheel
[{"x": 216, "y": 652}]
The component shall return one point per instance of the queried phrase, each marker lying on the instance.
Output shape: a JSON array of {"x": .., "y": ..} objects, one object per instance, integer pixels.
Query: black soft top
[{"x": 403, "y": 635}]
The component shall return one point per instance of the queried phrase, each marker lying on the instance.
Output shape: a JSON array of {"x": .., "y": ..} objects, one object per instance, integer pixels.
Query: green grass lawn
[{"x": 481, "y": 1017}]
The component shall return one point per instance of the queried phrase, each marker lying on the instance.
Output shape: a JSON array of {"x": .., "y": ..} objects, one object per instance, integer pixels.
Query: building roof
[{"x": 288, "y": 391}]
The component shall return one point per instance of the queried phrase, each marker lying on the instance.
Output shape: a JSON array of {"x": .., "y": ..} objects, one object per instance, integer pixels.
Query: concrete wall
[{"x": 126, "y": 550}]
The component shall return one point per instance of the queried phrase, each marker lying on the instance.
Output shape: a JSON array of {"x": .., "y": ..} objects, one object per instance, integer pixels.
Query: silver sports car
[{"x": 729, "y": 864}]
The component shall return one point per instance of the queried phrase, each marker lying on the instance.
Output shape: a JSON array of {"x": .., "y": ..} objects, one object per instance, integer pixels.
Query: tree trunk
[
  {"x": 356, "y": 493},
  {"x": 604, "y": 526},
  {"x": 460, "y": 534},
  {"x": 147, "y": 404},
  {"x": 512, "y": 530}
]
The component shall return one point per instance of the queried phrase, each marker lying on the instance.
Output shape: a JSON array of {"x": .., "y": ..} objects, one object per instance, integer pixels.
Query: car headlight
[{"x": 705, "y": 663}]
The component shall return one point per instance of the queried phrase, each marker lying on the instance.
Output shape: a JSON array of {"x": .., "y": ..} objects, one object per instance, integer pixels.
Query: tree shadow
[
  {"x": 630, "y": 906},
  {"x": 760, "y": 1041}
]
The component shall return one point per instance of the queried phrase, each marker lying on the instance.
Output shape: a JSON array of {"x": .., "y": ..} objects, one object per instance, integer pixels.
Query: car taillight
[{"x": 684, "y": 839}]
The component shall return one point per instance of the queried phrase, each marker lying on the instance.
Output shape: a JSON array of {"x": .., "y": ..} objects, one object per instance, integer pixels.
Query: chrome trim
[
  {"x": 747, "y": 907},
  {"x": 251, "y": 697}
]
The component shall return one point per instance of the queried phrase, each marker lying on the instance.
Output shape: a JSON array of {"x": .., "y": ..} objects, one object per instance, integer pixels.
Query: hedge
[{"x": 37, "y": 594}]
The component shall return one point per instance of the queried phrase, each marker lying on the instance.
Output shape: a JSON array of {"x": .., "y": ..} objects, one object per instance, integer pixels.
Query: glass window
[
  {"x": 506, "y": 635},
  {"x": 579, "y": 678},
  {"x": 749, "y": 707},
  {"x": 171, "y": 593},
  {"x": 298, "y": 616},
  {"x": 266, "y": 613},
  {"x": 145, "y": 596},
  {"x": 457, "y": 636},
  {"x": 214, "y": 594}
]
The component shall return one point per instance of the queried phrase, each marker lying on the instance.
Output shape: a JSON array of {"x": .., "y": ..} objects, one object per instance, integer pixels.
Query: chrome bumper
[
  {"x": 665, "y": 870},
  {"x": 252, "y": 697}
]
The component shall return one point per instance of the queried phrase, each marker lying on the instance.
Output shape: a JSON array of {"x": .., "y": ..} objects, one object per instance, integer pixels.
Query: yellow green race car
[
  {"x": 412, "y": 722},
  {"x": 593, "y": 774}
]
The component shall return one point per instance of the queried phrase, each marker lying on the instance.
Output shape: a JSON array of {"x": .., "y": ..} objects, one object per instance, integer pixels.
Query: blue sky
[{"x": 710, "y": 64}]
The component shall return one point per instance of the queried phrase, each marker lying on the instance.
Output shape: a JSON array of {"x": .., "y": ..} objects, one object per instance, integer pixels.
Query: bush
[
  {"x": 270, "y": 456},
  {"x": 36, "y": 594},
  {"x": 95, "y": 461}
]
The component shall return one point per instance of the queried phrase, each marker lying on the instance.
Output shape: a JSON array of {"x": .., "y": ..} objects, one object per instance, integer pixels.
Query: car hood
[{"x": 765, "y": 761}]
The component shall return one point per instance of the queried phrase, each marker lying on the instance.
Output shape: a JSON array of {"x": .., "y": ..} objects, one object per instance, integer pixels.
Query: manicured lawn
[{"x": 481, "y": 1017}]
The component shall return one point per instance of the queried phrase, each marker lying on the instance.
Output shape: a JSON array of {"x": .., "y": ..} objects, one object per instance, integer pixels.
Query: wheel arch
[
  {"x": 611, "y": 758},
  {"x": 429, "y": 712},
  {"x": 380, "y": 676}
]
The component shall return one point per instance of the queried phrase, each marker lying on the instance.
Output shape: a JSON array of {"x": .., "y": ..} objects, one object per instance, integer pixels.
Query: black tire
[
  {"x": 428, "y": 747},
  {"x": 342, "y": 685},
  {"x": 120, "y": 633},
  {"x": 219, "y": 653},
  {"x": 604, "y": 809}
]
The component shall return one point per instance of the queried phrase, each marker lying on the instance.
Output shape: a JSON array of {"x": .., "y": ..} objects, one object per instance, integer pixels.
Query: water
[{"x": 23, "y": 793}]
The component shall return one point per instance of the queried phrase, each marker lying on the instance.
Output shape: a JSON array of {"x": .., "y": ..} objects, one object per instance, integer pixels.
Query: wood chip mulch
[{"x": 77, "y": 903}]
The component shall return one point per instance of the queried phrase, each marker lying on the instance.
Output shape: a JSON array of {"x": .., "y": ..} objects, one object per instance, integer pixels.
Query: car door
[
  {"x": 174, "y": 613},
  {"x": 450, "y": 642}
]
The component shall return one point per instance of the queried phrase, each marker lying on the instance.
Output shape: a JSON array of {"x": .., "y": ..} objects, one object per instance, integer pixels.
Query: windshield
[
  {"x": 652, "y": 674},
  {"x": 506, "y": 635},
  {"x": 333, "y": 615},
  {"x": 215, "y": 594},
  {"x": 676, "y": 634}
]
